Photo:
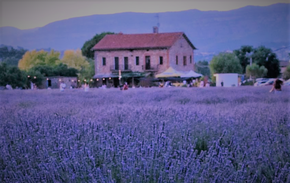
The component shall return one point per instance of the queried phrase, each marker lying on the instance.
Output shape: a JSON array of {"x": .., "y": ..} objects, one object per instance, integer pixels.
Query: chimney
[{"x": 155, "y": 29}]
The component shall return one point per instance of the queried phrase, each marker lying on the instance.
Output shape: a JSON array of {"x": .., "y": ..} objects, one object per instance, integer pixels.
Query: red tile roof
[{"x": 139, "y": 41}]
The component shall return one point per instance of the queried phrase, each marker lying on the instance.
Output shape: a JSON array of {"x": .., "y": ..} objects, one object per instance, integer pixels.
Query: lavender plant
[{"x": 145, "y": 135}]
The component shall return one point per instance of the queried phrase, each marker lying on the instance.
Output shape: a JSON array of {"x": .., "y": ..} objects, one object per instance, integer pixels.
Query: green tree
[
  {"x": 11, "y": 75},
  {"x": 86, "y": 49},
  {"x": 11, "y": 56},
  {"x": 243, "y": 55},
  {"x": 202, "y": 67},
  {"x": 34, "y": 58},
  {"x": 75, "y": 59},
  {"x": 225, "y": 63},
  {"x": 286, "y": 73},
  {"x": 58, "y": 70},
  {"x": 255, "y": 71},
  {"x": 87, "y": 73},
  {"x": 263, "y": 56},
  {"x": 35, "y": 77}
]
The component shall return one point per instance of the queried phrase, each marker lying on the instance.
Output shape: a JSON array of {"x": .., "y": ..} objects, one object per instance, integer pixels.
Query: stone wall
[
  {"x": 181, "y": 48},
  {"x": 110, "y": 59}
]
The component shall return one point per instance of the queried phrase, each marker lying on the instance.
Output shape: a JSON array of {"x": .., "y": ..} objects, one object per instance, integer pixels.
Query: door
[
  {"x": 49, "y": 83},
  {"x": 116, "y": 63},
  {"x": 126, "y": 66},
  {"x": 147, "y": 63}
]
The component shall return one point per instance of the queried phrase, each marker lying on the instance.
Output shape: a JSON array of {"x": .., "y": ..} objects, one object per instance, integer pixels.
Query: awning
[
  {"x": 134, "y": 74},
  {"x": 191, "y": 74},
  {"x": 170, "y": 72}
]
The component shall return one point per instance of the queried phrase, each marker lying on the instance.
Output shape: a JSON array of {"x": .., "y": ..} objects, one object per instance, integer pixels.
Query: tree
[
  {"x": 35, "y": 77},
  {"x": 225, "y": 63},
  {"x": 35, "y": 58},
  {"x": 87, "y": 73},
  {"x": 286, "y": 73},
  {"x": 86, "y": 49},
  {"x": 11, "y": 56},
  {"x": 202, "y": 67},
  {"x": 75, "y": 59},
  {"x": 11, "y": 75},
  {"x": 59, "y": 70},
  {"x": 255, "y": 71},
  {"x": 242, "y": 55},
  {"x": 263, "y": 56}
]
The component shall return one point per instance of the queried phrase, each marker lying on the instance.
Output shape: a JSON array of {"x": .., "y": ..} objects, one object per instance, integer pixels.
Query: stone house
[{"x": 137, "y": 55}]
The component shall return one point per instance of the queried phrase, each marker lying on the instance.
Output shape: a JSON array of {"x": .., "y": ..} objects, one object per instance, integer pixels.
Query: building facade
[
  {"x": 53, "y": 82},
  {"x": 132, "y": 54}
]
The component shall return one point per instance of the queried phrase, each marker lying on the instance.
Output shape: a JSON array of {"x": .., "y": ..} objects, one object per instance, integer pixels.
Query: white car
[
  {"x": 260, "y": 83},
  {"x": 287, "y": 83}
]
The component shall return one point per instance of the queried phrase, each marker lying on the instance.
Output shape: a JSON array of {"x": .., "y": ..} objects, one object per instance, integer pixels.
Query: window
[
  {"x": 176, "y": 60},
  {"x": 116, "y": 63},
  {"x": 126, "y": 64},
  {"x": 190, "y": 59},
  {"x": 137, "y": 60},
  {"x": 161, "y": 60},
  {"x": 184, "y": 60},
  {"x": 104, "y": 60}
]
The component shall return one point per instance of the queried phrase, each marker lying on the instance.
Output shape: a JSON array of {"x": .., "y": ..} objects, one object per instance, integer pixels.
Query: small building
[
  {"x": 148, "y": 54},
  {"x": 283, "y": 65},
  {"x": 228, "y": 79},
  {"x": 53, "y": 82}
]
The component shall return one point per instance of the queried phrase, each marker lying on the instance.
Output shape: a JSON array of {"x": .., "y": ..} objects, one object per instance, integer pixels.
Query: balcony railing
[
  {"x": 151, "y": 68},
  {"x": 116, "y": 68}
]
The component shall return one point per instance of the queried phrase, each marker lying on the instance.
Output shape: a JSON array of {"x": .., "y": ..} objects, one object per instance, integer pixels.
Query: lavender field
[{"x": 145, "y": 135}]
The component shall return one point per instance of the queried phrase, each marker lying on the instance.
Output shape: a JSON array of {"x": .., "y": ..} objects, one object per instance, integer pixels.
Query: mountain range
[{"x": 209, "y": 31}]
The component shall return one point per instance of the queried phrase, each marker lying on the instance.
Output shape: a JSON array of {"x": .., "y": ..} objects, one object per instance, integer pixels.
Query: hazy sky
[{"x": 26, "y": 14}]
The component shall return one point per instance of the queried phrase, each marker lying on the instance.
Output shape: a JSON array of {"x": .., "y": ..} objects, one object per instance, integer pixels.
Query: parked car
[
  {"x": 259, "y": 83},
  {"x": 287, "y": 83},
  {"x": 269, "y": 82}
]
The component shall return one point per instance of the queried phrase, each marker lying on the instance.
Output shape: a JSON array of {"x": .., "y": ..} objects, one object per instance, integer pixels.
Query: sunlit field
[{"x": 212, "y": 134}]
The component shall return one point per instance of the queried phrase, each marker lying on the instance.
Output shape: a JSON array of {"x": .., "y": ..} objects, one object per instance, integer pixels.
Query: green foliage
[
  {"x": 263, "y": 56},
  {"x": 87, "y": 73},
  {"x": 255, "y": 71},
  {"x": 75, "y": 59},
  {"x": 35, "y": 77},
  {"x": 243, "y": 57},
  {"x": 58, "y": 70},
  {"x": 11, "y": 75},
  {"x": 35, "y": 58},
  {"x": 11, "y": 56},
  {"x": 286, "y": 73},
  {"x": 248, "y": 83},
  {"x": 225, "y": 63},
  {"x": 202, "y": 67},
  {"x": 86, "y": 49}
]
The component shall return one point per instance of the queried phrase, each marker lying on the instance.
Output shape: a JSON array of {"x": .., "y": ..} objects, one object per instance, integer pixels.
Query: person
[
  {"x": 87, "y": 87},
  {"x": 222, "y": 83},
  {"x": 201, "y": 84},
  {"x": 62, "y": 86},
  {"x": 277, "y": 86},
  {"x": 126, "y": 86}
]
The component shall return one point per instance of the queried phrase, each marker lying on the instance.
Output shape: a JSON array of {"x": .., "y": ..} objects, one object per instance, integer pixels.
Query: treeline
[
  {"x": 34, "y": 66},
  {"x": 10, "y": 55},
  {"x": 254, "y": 62}
]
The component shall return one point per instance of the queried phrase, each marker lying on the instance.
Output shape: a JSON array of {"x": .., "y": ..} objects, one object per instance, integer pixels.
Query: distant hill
[{"x": 209, "y": 31}]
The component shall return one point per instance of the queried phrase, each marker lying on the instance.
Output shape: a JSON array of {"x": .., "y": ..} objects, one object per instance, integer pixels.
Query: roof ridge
[{"x": 147, "y": 33}]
